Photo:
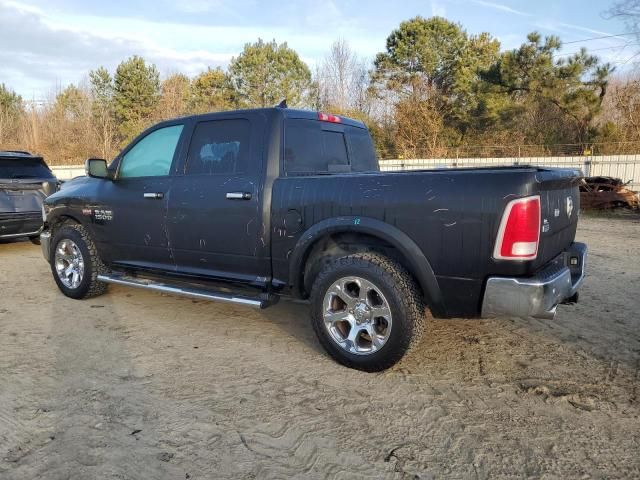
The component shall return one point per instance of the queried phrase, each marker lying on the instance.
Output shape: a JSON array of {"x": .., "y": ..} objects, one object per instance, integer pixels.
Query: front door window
[{"x": 151, "y": 156}]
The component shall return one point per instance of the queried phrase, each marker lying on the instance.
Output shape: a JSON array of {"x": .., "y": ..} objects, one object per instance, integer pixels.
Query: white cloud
[
  {"x": 580, "y": 28},
  {"x": 39, "y": 53},
  {"x": 198, "y": 6},
  {"x": 502, "y": 7},
  {"x": 227, "y": 8},
  {"x": 46, "y": 48},
  {"x": 437, "y": 9}
]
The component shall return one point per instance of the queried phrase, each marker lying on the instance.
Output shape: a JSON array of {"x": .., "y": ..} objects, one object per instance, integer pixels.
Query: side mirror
[{"x": 96, "y": 168}]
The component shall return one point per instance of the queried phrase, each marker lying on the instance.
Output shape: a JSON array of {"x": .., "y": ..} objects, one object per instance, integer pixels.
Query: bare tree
[
  {"x": 105, "y": 129},
  {"x": 31, "y": 128},
  {"x": 626, "y": 10},
  {"x": 174, "y": 98},
  {"x": 419, "y": 125},
  {"x": 620, "y": 116},
  {"x": 343, "y": 79},
  {"x": 11, "y": 109},
  {"x": 5, "y": 126}
]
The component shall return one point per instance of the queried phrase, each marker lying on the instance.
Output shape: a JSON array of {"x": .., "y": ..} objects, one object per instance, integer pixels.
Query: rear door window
[{"x": 219, "y": 147}]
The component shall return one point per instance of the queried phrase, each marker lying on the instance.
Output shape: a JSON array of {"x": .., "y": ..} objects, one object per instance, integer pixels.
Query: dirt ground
[{"x": 138, "y": 385}]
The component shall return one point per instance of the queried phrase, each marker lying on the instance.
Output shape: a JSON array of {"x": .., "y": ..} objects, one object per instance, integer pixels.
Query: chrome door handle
[
  {"x": 154, "y": 195},
  {"x": 238, "y": 196}
]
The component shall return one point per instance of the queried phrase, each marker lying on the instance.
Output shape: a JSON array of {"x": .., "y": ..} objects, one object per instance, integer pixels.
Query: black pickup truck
[{"x": 248, "y": 206}]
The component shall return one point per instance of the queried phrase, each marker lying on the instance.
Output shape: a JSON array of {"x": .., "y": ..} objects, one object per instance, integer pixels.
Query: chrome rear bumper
[
  {"x": 45, "y": 244},
  {"x": 539, "y": 295}
]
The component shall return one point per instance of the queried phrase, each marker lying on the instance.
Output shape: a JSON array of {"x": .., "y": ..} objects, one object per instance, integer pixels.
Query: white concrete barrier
[
  {"x": 625, "y": 167},
  {"x": 67, "y": 172}
]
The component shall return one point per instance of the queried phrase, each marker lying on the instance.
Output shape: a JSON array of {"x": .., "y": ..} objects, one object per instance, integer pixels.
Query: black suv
[{"x": 25, "y": 180}]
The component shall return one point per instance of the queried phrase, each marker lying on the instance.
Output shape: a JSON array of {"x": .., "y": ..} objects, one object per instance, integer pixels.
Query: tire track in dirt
[
  {"x": 305, "y": 450},
  {"x": 25, "y": 417}
]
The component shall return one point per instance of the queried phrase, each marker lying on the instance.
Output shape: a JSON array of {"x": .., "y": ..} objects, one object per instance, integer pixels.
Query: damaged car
[
  {"x": 607, "y": 192},
  {"x": 25, "y": 181}
]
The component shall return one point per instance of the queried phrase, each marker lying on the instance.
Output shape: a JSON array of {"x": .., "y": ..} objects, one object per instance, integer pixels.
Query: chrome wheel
[
  {"x": 357, "y": 315},
  {"x": 69, "y": 263}
]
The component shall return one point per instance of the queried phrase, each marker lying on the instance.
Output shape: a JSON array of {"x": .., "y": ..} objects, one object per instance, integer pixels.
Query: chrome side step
[{"x": 200, "y": 293}]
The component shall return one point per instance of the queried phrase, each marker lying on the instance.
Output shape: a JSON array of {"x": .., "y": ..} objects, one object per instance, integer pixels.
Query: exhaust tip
[
  {"x": 548, "y": 315},
  {"x": 571, "y": 300}
]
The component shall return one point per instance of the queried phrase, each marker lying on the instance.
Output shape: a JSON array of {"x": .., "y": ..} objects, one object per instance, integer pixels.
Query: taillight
[
  {"x": 519, "y": 232},
  {"x": 326, "y": 117}
]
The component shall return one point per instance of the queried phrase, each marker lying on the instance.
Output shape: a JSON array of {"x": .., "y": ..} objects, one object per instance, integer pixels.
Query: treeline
[{"x": 434, "y": 90}]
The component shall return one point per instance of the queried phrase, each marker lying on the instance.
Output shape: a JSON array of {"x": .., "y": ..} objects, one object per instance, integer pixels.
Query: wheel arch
[
  {"x": 58, "y": 219},
  {"x": 410, "y": 255}
]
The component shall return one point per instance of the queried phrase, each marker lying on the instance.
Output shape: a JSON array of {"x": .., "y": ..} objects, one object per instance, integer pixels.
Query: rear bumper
[
  {"x": 539, "y": 295},
  {"x": 14, "y": 225},
  {"x": 45, "y": 244}
]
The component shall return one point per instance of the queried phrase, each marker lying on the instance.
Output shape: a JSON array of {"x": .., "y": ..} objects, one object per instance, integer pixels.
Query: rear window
[
  {"x": 314, "y": 147},
  {"x": 363, "y": 154},
  {"x": 24, "y": 168}
]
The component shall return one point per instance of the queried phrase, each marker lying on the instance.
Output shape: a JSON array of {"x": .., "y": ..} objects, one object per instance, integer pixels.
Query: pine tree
[
  {"x": 136, "y": 96},
  {"x": 266, "y": 73}
]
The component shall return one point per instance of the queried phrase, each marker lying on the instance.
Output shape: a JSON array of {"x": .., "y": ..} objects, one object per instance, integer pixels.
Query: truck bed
[{"x": 454, "y": 223}]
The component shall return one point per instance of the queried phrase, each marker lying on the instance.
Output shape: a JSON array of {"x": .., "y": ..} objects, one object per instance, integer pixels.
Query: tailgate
[
  {"x": 25, "y": 181},
  {"x": 21, "y": 197},
  {"x": 21, "y": 206},
  {"x": 560, "y": 207}
]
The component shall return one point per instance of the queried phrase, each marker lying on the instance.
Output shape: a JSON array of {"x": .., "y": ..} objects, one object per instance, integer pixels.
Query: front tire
[
  {"x": 75, "y": 263},
  {"x": 367, "y": 311}
]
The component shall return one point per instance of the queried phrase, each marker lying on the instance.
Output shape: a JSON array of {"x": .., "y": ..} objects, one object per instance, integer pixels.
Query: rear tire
[
  {"x": 75, "y": 263},
  {"x": 367, "y": 311}
]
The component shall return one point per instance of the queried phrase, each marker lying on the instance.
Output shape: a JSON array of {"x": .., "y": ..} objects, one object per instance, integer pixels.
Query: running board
[{"x": 200, "y": 293}]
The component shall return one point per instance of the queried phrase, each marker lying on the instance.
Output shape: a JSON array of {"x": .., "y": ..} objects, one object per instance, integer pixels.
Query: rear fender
[{"x": 418, "y": 264}]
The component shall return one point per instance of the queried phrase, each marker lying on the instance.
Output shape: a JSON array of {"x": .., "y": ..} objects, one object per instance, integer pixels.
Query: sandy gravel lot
[{"x": 138, "y": 385}]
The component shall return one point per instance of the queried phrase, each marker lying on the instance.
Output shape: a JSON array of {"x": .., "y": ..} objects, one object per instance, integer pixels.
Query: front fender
[
  {"x": 59, "y": 212},
  {"x": 418, "y": 263}
]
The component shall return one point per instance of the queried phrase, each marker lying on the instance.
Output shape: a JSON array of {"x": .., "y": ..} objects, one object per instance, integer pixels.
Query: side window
[
  {"x": 219, "y": 147},
  {"x": 310, "y": 149},
  {"x": 151, "y": 156}
]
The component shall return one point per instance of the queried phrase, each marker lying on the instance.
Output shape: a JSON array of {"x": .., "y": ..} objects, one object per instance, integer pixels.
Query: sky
[{"x": 47, "y": 44}]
